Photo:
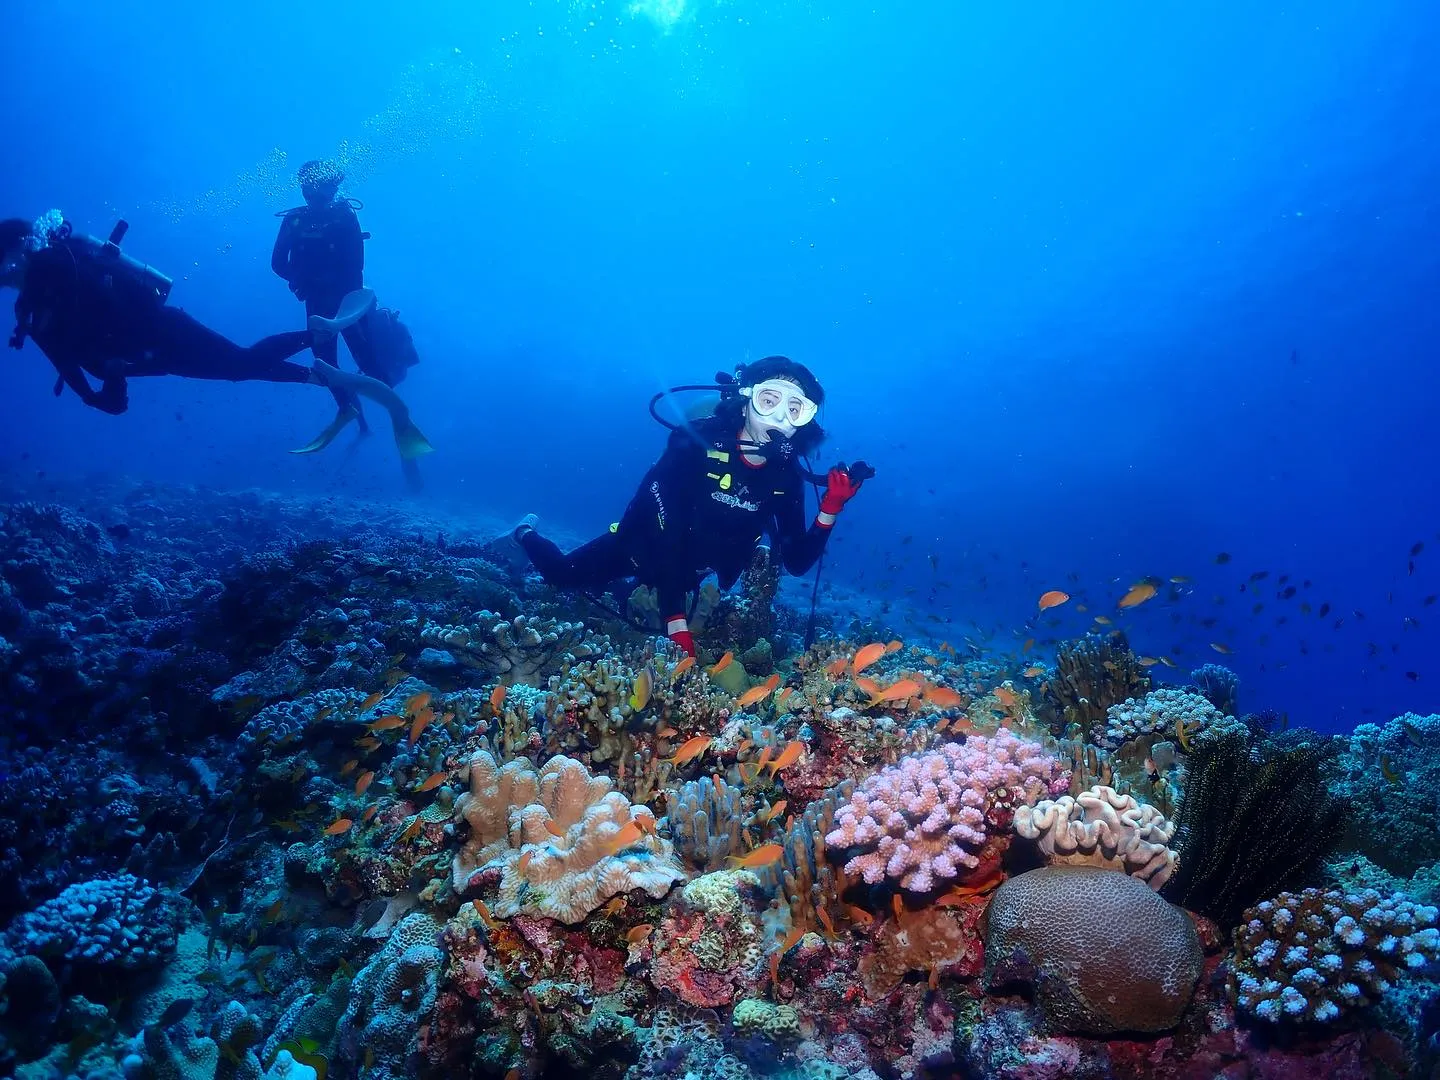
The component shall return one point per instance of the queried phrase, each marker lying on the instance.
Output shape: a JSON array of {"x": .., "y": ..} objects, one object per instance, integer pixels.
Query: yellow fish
[{"x": 640, "y": 692}]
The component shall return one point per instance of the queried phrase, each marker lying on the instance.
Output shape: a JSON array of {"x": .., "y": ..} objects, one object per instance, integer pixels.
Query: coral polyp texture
[
  {"x": 944, "y": 816},
  {"x": 570, "y": 841},
  {"x": 1101, "y": 827},
  {"x": 1160, "y": 712},
  {"x": 1103, "y": 952},
  {"x": 1315, "y": 955}
]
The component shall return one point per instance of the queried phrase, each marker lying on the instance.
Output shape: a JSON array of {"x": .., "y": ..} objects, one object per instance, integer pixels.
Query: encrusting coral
[
  {"x": 1314, "y": 955},
  {"x": 521, "y": 650},
  {"x": 944, "y": 816},
  {"x": 1101, "y": 827},
  {"x": 570, "y": 842}
]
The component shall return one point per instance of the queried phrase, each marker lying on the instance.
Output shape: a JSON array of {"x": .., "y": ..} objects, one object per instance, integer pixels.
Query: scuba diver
[
  {"x": 722, "y": 483},
  {"x": 96, "y": 312},
  {"x": 320, "y": 253}
]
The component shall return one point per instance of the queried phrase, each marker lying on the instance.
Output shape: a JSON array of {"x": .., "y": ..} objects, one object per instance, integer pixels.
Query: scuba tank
[{"x": 139, "y": 280}]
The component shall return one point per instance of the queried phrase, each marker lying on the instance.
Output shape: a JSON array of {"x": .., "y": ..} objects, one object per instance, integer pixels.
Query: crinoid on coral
[
  {"x": 1091, "y": 675},
  {"x": 1103, "y": 952},
  {"x": 1254, "y": 819},
  {"x": 1311, "y": 956},
  {"x": 1101, "y": 827},
  {"x": 569, "y": 842},
  {"x": 943, "y": 817}
]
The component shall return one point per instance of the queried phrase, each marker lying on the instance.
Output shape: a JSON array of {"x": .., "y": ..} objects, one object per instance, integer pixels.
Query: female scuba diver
[{"x": 722, "y": 483}]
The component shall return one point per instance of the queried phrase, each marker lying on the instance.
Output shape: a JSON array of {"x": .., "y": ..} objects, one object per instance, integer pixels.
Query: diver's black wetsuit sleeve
[
  {"x": 799, "y": 546},
  {"x": 280, "y": 255},
  {"x": 350, "y": 253}
]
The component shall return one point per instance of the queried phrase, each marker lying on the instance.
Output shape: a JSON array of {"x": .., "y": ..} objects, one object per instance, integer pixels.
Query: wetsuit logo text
[{"x": 735, "y": 501}]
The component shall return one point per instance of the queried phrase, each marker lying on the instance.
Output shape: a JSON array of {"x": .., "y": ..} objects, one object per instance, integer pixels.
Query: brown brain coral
[{"x": 1104, "y": 953}]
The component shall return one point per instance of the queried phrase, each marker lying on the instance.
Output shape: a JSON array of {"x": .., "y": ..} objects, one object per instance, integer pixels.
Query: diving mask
[{"x": 780, "y": 402}]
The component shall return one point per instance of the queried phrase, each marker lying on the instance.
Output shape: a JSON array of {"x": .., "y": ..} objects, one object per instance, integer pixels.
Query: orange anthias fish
[
  {"x": 1033, "y": 670},
  {"x": 867, "y": 656},
  {"x": 942, "y": 697},
  {"x": 783, "y": 697},
  {"x": 721, "y": 664},
  {"x": 386, "y": 723},
  {"x": 900, "y": 691},
  {"x": 837, "y": 668},
  {"x": 371, "y": 701},
  {"x": 630, "y": 833},
  {"x": 758, "y": 693},
  {"x": 417, "y": 702},
  {"x": 349, "y": 766},
  {"x": 679, "y": 669},
  {"x": 434, "y": 780},
  {"x": 869, "y": 687},
  {"x": 763, "y": 855},
  {"x": 497, "y": 697},
  {"x": 637, "y": 934},
  {"x": 370, "y": 812},
  {"x": 1006, "y": 697},
  {"x": 422, "y": 721},
  {"x": 1053, "y": 598},
  {"x": 774, "y": 812},
  {"x": 894, "y": 646},
  {"x": 339, "y": 827},
  {"x": 1137, "y": 595},
  {"x": 787, "y": 757},
  {"x": 691, "y": 749},
  {"x": 366, "y": 778}
]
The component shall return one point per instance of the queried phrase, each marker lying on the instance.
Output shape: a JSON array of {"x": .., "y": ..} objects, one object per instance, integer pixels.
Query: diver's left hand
[{"x": 840, "y": 488}]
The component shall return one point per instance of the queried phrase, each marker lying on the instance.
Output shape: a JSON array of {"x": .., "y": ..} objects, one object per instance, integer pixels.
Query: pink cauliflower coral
[{"x": 933, "y": 818}]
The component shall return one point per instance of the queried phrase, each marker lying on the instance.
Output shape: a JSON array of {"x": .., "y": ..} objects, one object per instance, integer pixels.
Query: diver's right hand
[{"x": 111, "y": 398}]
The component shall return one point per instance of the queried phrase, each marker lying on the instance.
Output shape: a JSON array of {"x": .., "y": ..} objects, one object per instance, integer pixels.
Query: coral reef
[
  {"x": 1387, "y": 776},
  {"x": 705, "y": 820},
  {"x": 1103, "y": 952},
  {"x": 1218, "y": 685},
  {"x": 1161, "y": 713},
  {"x": 519, "y": 650},
  {"x": 390, "y": 996},
  {"x": 943, "y": 817},
  {"x": 1101, "y": 827}
]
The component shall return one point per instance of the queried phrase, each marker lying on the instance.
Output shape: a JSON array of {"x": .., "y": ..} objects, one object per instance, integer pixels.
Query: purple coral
[{"x": 928, "y": 819}]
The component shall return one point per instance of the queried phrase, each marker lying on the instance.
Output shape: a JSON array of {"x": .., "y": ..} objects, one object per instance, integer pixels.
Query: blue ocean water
[{"x": 1101, "y": 293}]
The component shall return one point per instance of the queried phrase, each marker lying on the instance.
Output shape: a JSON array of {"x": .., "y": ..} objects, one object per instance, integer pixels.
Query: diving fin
[
  {"x": 408, "y": 438},
  {"x": 354, "y": 307},
  {"x": 342, "y": 417}
]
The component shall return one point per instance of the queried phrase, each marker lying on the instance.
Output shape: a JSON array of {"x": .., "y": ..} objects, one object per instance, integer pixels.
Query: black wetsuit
[
  {"x": 700, "y": 508},
  {"x": 320, "y": 252},
  {"x": 89, "y": 317}
]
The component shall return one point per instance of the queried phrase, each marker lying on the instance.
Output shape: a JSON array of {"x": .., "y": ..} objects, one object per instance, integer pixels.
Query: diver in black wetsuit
[
  {"x": 96, "y": 312},
  {"x": 320, "y": 253},
  {"x": 712, "y": 496}
]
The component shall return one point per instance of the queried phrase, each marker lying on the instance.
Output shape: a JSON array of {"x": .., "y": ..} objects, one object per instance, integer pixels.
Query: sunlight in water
[{"x": 664, "y": 13}]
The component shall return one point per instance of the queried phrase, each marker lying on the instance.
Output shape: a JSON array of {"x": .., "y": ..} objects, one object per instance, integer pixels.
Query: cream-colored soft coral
[
  {"x": 562, "y": 853},
  {"x": 1101, "y": 827}
]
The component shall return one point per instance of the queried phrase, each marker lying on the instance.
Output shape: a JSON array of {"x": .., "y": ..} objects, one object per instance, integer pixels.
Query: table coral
[
  {"x": 1314, "y": 955},
  {"x": 935, "y": 818},
  {"x": 1101, "y": 827},
  {"x": 1103, "y": 951}
]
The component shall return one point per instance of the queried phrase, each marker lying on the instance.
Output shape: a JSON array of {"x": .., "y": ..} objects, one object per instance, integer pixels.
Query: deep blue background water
[{"x": 1101, "y": 291}]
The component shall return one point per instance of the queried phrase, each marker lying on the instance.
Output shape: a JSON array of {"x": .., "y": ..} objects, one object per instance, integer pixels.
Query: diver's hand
[
  {"x": 111, "y": 398},
  {"x": 840, "y": 488}
]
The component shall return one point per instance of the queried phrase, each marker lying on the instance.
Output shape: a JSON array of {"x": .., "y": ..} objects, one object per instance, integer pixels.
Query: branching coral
[
  {"x": 806, "y": 887},
  {"x": 1101, "y": 827},
  {"x": 1314, "y": 955},
  {"x": 1253, "y": 820},
  {"x": 939, "y": 817},
  {"x": 1091, "y": 675},
  {"x": 563, "y": 851},
  {"x": 519, "y": 650},
  {"x": 1103, "y": 952},
  {"x": 705, "y": 818}
]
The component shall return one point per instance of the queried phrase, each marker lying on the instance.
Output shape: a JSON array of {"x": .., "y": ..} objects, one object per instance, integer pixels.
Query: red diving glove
[
  {"x": 678, "y": 631},
  {"x": 839, "y": 489}
]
